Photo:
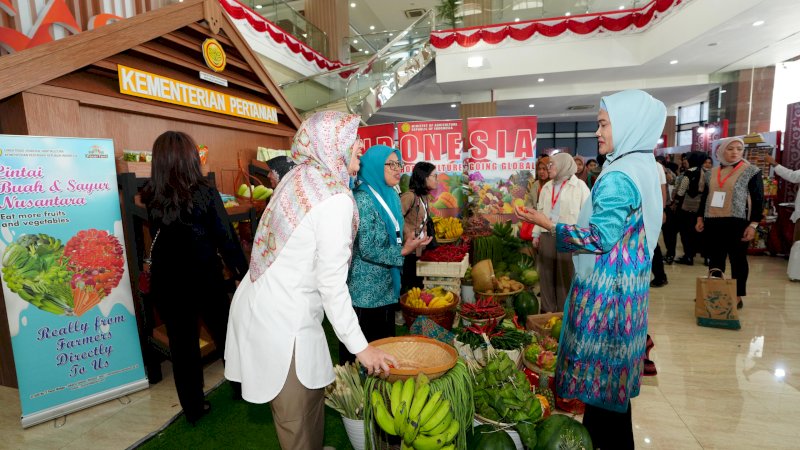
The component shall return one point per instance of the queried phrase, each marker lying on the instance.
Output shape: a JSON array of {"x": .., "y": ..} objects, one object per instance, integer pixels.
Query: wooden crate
[
  {"x": 141, "y": 169},
  {"x": 535, "y": 322}
]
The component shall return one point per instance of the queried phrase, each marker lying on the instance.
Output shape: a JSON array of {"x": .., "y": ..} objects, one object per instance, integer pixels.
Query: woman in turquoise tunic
[{"x": 604, "y": 334}]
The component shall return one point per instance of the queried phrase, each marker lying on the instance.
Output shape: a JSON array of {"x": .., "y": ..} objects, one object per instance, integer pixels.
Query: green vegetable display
[
  {"x": 503, "y": 394},
  {"x": 34, "y": 268}
]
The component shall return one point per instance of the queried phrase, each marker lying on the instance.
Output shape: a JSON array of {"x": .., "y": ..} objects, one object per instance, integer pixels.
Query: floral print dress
[{"x": 602, "y": 346}]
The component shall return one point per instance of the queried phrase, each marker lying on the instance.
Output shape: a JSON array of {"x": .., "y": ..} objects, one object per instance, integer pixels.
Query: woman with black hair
[
  {"x": 190, "y": 229},
  {"x": 279, "y": 166},
  {"x": 417, "y": 221}
]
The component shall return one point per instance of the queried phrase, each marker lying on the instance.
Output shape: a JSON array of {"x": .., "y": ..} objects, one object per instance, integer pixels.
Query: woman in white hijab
[
  {"x": 560, "y": 200},
  {"x": 730, "y": 211},
  {"x": 602, "y": 345}
]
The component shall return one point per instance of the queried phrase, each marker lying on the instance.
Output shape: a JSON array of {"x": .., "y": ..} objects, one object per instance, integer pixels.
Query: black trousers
[
  {"x": 724, "y": 237},
  {"x": 609, "y": 430},
  {"x": 409, "y": 278},
  {"x": 670, "y": 231},
  {"x": 181, "y": 312},
  {"x": 376, "y": 323},
  {"x": 658, "y": 265},
  {"x": 689, "y": 236}
]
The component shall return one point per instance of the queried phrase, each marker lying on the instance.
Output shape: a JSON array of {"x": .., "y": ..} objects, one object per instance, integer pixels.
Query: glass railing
[
  {"x": 365, "y": 86},
  {"x": 363, "y": 46},
  {"x": 476, "y": 12},
  {"x": 281, "y": 14}
]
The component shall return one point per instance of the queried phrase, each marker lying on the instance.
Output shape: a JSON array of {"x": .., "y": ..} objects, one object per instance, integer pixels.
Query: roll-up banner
[
  {"x": 440, "y": 143},
  {"x": 501, "y": 162},
  {"x": 66, "y": 286}
]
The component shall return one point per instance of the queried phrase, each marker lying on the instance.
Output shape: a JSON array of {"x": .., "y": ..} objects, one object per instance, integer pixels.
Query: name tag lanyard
[{"x": 389, "y": 212}]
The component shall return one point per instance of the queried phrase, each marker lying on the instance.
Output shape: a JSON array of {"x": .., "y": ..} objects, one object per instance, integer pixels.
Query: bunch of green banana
[{"x": 424, "y": 421}]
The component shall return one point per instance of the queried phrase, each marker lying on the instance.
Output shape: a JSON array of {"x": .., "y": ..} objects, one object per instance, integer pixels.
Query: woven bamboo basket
[
  {"x": 417, "y": 354},
  {"x": 443, "y": 316}
]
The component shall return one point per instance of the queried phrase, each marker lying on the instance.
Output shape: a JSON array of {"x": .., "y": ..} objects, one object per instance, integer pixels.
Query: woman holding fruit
[
  {"x": 604, "y": 332},
  {"x": 561, "y": 200},
  {"x": 378, "y": 249},
  {"x": 276, "y": 345},
  {"x": 417, "y": 220},
  {"x": 190, "y": 229}
]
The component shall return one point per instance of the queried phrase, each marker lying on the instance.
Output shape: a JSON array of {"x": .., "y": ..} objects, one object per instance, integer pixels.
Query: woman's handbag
[
  {"x": 715, "y": 303},
  {"x": 144, "y": 275}
]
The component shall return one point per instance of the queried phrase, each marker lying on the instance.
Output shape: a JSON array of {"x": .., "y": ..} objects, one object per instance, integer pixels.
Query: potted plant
[{"x": 346, "y": 395}]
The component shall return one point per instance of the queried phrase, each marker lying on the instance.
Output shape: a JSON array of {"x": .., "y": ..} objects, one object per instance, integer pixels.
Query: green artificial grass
[
  {"x": 237, "y": 424},
  {"x": 242, "y": 425}
]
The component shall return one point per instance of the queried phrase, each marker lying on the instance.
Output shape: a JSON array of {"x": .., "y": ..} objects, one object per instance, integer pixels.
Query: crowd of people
[{"x": 337, "y": 240}]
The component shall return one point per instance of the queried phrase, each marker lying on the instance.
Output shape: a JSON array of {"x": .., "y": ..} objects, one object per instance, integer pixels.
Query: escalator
[{"x": 363, "y": 88}]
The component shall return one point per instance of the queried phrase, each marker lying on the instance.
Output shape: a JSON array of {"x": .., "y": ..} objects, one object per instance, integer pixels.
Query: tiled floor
[{"x": 715, "y": 389}]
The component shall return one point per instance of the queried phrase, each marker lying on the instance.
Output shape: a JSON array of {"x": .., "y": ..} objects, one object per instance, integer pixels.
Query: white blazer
[
  {"x": 792, "y": 176},
  {"x": 570, "y": 201},
  {"x": 283, "y": 309}
]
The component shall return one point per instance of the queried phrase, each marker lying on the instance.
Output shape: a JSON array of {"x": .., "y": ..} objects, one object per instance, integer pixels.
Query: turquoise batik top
[
  {"x": 601, "y": 352},
  {"x": 374, "y": 255}
]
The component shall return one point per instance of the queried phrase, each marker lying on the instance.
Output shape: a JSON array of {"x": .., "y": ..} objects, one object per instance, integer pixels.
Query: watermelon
[
  {"x": 487, "y": 437},
  {"x": 560, "y": 432},
  {"x": 525, "y": 304}
]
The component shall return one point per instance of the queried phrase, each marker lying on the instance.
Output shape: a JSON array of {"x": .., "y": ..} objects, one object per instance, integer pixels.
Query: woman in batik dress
[{"x": 603, "y": 338}]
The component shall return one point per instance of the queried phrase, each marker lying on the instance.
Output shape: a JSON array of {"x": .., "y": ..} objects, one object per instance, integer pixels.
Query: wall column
[{"x": 333, "y": 18}]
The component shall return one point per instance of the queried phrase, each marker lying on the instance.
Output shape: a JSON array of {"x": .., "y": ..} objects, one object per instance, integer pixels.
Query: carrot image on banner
[
  {"x": 66, "y": 285},
  {"x": 500, "y": 162},
  {"x": 440, "y": 143}
]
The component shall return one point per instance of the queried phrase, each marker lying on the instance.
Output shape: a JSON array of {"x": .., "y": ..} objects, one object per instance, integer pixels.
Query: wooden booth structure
[{"x": 184, "y": 67}]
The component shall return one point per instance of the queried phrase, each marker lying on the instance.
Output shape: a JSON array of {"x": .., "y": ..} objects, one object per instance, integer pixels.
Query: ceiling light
[
  {"x": 780, "y": 373},
  {"x": 391, "y": 34},
  {"x": 568, "y": 14},
  {"x": 355, "y": 41},
  {"x": 259, "y": 6},
  {"x": 621, "y": 7},
  {"x": 701, "y": 130},
  {"x": 353, "y": 5},
  {"x": 372, "y": 27},
  {"x": 723, "y": 91},
  {"x": 453, "y": 105},
  {"x": 758, "y": 23},
  {"x": 660, "y": 140},
  {"x": 540, "y": 80},
  {"x": 674, "y": 61},
  {"x": 473, "y": 62},
  {"x": 305, "y": 35},
  {"x": 531, "y": 105},
  {"x": 516, "y": 19}
]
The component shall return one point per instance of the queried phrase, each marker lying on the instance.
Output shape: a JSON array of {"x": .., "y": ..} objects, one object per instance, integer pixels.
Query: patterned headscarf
[{"x": 321, "y": 148}]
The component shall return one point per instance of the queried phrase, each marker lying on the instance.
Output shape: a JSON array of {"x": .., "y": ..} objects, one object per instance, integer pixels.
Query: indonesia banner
[
  {"x": 382, "y": 134},
  {"x": 500, "y": 161},
  {"x": 66, "y": 286},
  {"x": 440, "y": 143}
]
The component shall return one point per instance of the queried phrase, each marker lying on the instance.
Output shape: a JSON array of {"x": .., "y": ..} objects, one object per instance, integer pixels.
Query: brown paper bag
[{"x": 715, "y": 303}]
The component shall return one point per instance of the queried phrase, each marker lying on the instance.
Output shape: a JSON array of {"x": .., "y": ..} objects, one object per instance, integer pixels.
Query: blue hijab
[
  {"x": 637, "y": 121},
  {"x": 372, "y": 174}
]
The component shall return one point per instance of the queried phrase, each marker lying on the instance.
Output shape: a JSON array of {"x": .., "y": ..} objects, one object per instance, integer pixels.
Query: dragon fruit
[
  {"x": 550, "y": 344},
  {"x": 546, "y": 360}
]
